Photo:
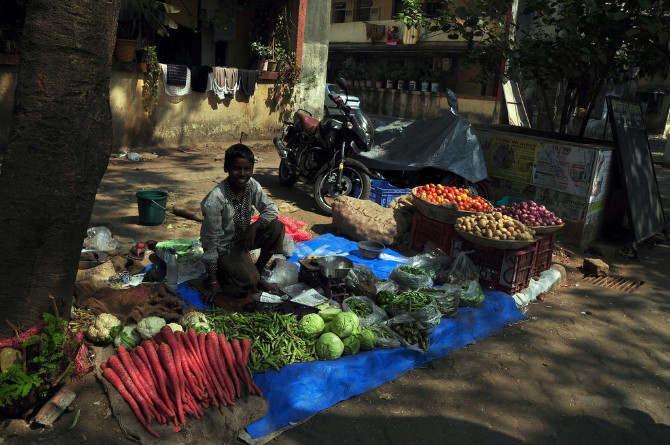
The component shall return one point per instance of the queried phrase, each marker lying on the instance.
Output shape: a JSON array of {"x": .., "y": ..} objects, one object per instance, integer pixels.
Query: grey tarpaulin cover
[{"x": 446, "y": 142}]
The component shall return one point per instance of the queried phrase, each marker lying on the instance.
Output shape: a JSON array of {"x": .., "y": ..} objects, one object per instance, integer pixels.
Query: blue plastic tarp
[{"x": 303, "y": 389}]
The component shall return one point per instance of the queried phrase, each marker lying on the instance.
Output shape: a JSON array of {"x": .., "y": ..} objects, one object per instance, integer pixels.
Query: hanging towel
[
  {"x": 225, "y": 82},
  {"x": 231, "y": 76},
  {"x": 173, "y": 90},
  {"x": 176, "y": 75},
  {"x": 200, "y": 77},
  {"x": 247, "y": 80}
]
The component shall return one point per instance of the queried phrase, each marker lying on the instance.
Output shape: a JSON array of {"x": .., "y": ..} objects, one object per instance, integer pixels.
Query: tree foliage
[{"x": 579, "y": 44}]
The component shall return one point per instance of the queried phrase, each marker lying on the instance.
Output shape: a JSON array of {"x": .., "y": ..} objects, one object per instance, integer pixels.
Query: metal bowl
[
  {"x": 333, "y": 266},
  {"x": 370, "y": 249}
]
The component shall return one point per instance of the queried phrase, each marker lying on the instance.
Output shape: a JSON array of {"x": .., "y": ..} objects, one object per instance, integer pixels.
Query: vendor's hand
[
  {"x": 268, "y": 287},
  {"x": 250, "y": 236},
  {"x": 210, "y": 289}
]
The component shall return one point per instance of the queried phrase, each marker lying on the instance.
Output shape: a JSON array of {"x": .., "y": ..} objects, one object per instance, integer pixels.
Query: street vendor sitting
[{"x": 226, "y": 235}]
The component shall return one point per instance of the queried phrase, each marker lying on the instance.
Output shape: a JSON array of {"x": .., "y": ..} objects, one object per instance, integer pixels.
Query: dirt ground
[{"x": 589, "y": 364}]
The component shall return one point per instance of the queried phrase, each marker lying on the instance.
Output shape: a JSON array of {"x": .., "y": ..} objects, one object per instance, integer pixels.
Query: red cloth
[{"x": 293, "y": 228}]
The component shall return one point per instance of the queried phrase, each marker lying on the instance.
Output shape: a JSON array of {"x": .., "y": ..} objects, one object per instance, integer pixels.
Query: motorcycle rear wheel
[
  {"x": 287, "y": 178},
  {"x": 355, "y": 183}
]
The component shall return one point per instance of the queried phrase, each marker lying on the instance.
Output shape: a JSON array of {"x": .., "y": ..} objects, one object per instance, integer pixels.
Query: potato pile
[{"x": 495, "y": 226}]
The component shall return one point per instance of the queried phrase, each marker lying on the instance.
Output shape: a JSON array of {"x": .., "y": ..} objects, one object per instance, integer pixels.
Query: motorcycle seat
[{"x": 308, "y": 123}]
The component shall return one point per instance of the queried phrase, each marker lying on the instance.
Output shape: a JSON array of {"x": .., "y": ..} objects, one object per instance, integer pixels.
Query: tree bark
[{"x": 59, "y": 145}]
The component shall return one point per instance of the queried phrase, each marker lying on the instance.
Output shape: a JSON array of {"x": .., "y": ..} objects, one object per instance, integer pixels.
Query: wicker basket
[
  {"x": 498, "y": 244},
  {"x": 545, "y": 230},
  {"x": 446, "y": 213}
]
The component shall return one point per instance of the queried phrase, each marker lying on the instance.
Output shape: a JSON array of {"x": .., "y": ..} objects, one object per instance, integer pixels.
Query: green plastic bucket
[{"x": 151, "y": 205}]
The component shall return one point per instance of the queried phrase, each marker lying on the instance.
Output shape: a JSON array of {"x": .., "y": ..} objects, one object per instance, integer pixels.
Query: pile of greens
[
  {"x": 276, "y": 339},
  {"x": 48, "y": 358}
]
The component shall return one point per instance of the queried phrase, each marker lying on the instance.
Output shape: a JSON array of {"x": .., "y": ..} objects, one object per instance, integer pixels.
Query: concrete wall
[
  {"x": 354, "y": 32},
  {"x": 188, "y": 119},
  {"x": 425, "y": 105}
]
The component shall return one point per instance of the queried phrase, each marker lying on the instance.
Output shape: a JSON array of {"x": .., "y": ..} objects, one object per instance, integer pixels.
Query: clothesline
[{"x": 223, "y": 81}]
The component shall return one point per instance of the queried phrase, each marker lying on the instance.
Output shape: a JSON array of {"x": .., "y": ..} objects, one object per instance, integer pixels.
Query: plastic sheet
[
  {"x": 290, "y": 398},
  {"x": 447, "y": 142}
]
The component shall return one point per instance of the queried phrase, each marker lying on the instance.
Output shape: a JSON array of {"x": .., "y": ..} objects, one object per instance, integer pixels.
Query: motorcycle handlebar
[{"x": 339, "y": 103}]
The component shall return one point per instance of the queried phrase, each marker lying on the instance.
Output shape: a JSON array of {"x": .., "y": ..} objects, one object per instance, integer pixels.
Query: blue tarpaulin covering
[{"x": 303, "y": 389}]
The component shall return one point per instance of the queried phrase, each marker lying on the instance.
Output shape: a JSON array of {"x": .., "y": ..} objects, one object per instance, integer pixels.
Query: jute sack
[{"x": 363, "y": 220}]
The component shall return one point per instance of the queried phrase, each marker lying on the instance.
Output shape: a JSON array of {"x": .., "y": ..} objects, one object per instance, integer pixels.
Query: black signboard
[{"x": 637, "y": 168}]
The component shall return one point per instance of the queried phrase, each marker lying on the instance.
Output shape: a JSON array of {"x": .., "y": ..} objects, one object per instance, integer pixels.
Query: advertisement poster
[
  {"x": 568, "y": 207},
  {"x": 511, "y": 158},
  {"x": 564, "y": 168},
  {"x": 601, "y": 179}
]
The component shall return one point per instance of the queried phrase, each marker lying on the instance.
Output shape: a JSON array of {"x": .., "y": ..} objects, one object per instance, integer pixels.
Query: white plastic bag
[
  {"x": 285, "y": 273},
  {"x": 99, "y": 238}
]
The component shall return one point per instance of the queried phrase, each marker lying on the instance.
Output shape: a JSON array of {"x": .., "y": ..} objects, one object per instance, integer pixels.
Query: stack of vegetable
[
  {"x": 179, "y": 373},
  {"x": 494, "y": 226},
  {"x": 462, "y": 198},
  {"x": 276, "y": 339},
  {"x": 337, "y": 333},
  {"x": 531, "y": 214},
  {"x": 412, "y": 333}
]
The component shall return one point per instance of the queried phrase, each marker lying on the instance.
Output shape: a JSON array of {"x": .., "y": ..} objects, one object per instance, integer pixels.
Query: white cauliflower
[
  {"x": 128, "y": 337},
  {"x": 196, "y": 320},
  {"x": 101, "y": 329},
  {"x": 175, "y": 327},
  {"x": 149, "y": 327}
]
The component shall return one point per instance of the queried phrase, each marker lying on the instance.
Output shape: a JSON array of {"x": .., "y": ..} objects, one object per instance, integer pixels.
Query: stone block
[
  {"x": 597, "y": 267},
  {"x": 52, "y": 410}
]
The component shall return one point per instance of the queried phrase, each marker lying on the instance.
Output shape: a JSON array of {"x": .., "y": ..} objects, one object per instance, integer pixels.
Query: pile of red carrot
[{"x": 179, "y": 373}]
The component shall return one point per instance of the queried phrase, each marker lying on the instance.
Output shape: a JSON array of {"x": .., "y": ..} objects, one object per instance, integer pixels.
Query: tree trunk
[{"x": 59, "y": 145}]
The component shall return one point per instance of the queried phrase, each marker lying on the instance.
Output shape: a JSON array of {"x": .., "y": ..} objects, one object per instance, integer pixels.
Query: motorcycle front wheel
[
  {"x": 355, "y": 183},
  {"x": 287, "y": 178}
]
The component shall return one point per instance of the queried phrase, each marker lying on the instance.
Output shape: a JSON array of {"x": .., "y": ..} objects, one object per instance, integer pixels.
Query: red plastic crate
[
  {"x": 545, "y": 249},
  {"x": 426, "y": 229},
  {"x": 506, "y": 270}
]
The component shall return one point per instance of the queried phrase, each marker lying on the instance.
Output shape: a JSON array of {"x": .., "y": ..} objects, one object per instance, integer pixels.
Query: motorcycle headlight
[{"x": 350, "y": 125}]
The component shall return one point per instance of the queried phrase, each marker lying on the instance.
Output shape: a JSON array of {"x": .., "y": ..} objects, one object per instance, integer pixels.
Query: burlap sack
[{"x": 363, "y": 220}]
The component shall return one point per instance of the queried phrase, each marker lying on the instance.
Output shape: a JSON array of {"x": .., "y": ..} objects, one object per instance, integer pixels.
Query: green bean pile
[
  {"x": 359, "y": 308},
  {"x": 412, "y": 270},
  {"x": 276, "y": 339},
  {"x": 412, "y": 334},
  {"x": 384, "y": 298},
  {"x": 411, "y": 301}
]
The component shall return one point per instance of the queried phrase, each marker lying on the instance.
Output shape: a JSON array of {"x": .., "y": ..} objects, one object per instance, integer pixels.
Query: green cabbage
[
  {"x": 327, "y": 327},
  {"x": 312, "y": 325},
  {"x": 344, "y": 324},
  {"x": 329, "y": 313},
  {"x": 329, "y": 347},
  {"x": 368, "y": 340},
  {"x": 351, "y": 345}
]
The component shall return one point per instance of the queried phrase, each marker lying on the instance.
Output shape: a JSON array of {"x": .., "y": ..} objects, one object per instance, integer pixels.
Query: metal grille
[{"x": 614, "y": 282}]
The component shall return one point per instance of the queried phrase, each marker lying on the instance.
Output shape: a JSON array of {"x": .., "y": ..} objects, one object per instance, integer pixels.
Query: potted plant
[
  {"x": 359, "y": 74},
  {"x": 425, "y": 80},
  {"x": 151, "y": 80},
  {"x": 277, "y": 58},
  {"x": 391, "y": 78},
  {"x": 262, "y": 52},
  {"x": 412, "y": 74},
  {"x": 435, "y": 76},
  {"x": 126, "y": 41}
]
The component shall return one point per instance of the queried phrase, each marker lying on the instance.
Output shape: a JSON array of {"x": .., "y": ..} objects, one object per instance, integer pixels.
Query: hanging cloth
[
  {"x": 174, "y": 90},
  {"x": 225, "y": 82},
  {"x": 176, "y": 75},
  {"x": 200, "y": 78},
  {"x": 248, "y": 80}
]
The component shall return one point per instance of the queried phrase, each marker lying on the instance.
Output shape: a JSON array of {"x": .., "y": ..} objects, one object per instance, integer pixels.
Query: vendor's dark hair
[{"x": 237, "y": 151}]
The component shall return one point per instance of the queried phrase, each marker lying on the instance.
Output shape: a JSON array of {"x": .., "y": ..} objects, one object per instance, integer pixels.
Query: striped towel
[{"x": 176, "y": 75}]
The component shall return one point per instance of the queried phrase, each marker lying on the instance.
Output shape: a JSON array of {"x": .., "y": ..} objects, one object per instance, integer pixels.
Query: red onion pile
[{"x": 531, "y": 214}]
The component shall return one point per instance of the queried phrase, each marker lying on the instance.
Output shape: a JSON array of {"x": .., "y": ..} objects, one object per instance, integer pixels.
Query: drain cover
[{"x": 614, "y": 282}]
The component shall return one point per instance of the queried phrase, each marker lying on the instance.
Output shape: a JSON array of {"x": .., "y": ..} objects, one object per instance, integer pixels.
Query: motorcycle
[{"x": 321, "y": 152}]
